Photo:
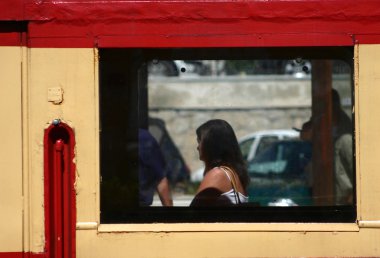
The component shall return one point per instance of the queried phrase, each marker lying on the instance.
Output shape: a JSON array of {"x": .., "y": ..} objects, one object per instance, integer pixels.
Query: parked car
[
  {"x": 252, "y": 144},
  {"x": 280, "y": 175}
]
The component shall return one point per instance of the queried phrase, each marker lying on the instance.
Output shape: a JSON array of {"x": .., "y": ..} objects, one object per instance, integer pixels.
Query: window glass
[
  {"x": 265, "y": 142},
  {"x": 246, "y": 147},
  {"x": 279, "y": 175},
  {"x": 290, "y": 109}
]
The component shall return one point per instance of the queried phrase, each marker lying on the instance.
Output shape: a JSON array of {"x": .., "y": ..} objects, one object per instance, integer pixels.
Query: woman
[{"x": 225, "y": 177}]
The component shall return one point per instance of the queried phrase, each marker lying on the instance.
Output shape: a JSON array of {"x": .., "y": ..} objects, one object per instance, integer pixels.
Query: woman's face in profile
[{"x": 199, "y": 148}]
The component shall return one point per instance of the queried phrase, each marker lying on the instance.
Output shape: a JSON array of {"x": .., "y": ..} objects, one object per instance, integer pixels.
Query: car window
[
  {"x": 285, "y": 167},
  {"x": 286, "y": 156},
  {"x": 265, "y": 141},
  {"x": 246, "y": 146}
]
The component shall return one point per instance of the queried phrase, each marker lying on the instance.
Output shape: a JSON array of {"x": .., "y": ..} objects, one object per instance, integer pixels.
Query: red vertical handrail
[
  {"x": 66, "y": 191},
  {"x": 58, "y": 196},
  {"x": 59, "y": 179}
]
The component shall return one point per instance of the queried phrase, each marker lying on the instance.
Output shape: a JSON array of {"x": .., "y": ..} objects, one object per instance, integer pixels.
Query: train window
[{"x": 291, "y": 111}]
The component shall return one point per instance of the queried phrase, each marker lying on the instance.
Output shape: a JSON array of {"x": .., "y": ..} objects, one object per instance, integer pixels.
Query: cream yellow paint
[
  {"x": 11, "y": 202},
  {"x": 269, "y": 240},
  {"x": 368, "y": 131},
  {"x": 230, "y": 244},
  {"x": 75, "y": 72}
]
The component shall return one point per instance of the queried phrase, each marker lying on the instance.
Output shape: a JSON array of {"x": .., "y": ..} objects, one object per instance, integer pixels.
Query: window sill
[{"x": 230, "y": 227}]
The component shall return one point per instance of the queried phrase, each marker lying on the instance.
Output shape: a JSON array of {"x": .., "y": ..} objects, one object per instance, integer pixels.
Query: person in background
[
  {"x": 152, "y": 174},
  {"x": 306, "y": 134},
  {"x": 306, "y": 131},
  {"x": 343, "y": 156},
  {"x": 225, "y": 177}
]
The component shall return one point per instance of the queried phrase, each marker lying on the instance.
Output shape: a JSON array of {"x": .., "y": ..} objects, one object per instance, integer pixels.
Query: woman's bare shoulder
[
  {"x": 214, "y": 178},
  {"x": 214, "y": 172}
]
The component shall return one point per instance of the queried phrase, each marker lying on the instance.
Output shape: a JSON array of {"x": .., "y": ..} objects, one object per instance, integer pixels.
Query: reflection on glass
[
  {"x": 245, "y": 147},
  {"x": 265, "y": 98},
  {"x": 153, "y": 171},
  {"x": 280, "y": 173}
]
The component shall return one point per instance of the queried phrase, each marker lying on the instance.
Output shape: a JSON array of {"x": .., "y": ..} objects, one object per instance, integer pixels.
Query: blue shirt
[{"x": 151, "y": 167}]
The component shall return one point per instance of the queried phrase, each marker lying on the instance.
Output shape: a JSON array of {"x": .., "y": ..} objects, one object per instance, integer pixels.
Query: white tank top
[{"x": 232, "y": 196}]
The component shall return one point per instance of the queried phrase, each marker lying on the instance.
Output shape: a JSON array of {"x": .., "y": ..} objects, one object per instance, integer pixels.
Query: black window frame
[{"x": 132, "y": 59}]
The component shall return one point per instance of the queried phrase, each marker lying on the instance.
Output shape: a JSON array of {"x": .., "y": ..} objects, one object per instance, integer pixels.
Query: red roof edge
[{"x": 12, "y": 10}]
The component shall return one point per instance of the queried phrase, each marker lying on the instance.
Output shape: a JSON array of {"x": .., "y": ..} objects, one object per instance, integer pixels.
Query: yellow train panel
[
  {"x": 368, "y": 132},
  {"x": 74, "y": 72},
  {"x": 11, "y": 149}
]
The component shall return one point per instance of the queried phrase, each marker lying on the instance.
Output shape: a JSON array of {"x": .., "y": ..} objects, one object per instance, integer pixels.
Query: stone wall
[{"x": 249, "y": 104}]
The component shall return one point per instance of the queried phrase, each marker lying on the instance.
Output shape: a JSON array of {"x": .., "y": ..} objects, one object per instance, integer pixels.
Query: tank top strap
[
  {"x": 227, "y": 174},
  {"x": 231, "y": 176}
]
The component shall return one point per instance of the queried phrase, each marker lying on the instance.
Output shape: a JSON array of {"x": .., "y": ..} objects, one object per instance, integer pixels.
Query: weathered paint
[
  {"x": 70, "y": 24},
  {"x": 74, "y": 71},
  {"x": 200, "y": 23},
  {"x": 196, "y": 23}
]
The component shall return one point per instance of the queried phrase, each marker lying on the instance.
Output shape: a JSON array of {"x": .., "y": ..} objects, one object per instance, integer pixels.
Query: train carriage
[{"x": 79, "y": 78}]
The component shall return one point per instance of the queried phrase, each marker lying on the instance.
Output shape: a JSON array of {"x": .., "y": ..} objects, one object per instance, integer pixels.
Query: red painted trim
[
  {"x": 59, "y": 179},
  {"x": 85, "y": 12},
  {"x": 10, "y": 39},
  {"x": 12, "y": 33},
  {"x": 195, "y": 23},
  {"x": 367, "y": 39},
  {"x": 160, "y": 41},
  {"x": 186, "y": 35},
  {"x": 12, "y": 9},
  {"x": 65, "y": 42},
  {"x": 12, "y": 255},
  {"x": 259, "y": 40},
  {"x": 22, "y": 255}
]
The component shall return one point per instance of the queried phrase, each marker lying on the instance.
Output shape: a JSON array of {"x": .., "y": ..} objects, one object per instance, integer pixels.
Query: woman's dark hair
[{"x": 221, "y": 148}]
